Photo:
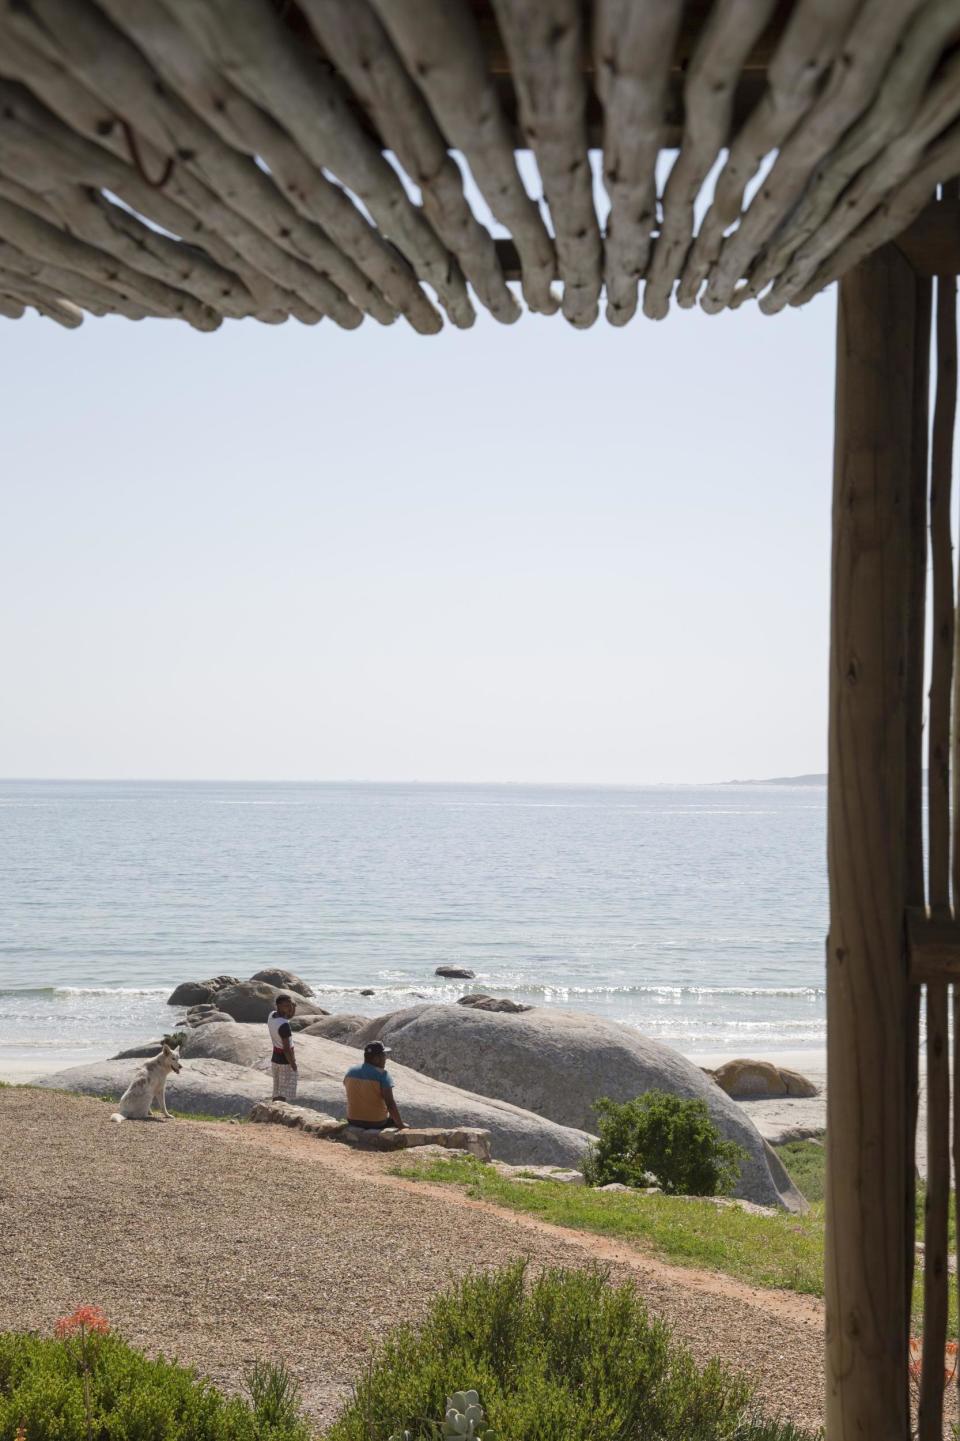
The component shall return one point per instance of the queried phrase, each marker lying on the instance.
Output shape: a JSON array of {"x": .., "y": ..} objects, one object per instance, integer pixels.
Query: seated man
[{"x": 370, "y": 1103}]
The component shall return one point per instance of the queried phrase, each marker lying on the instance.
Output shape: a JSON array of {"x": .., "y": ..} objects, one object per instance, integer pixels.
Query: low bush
[
  {"x": 664, "y": 1136},
  {"x": 570, "y": 1356},
  {"x": 89, "y": 1385}
]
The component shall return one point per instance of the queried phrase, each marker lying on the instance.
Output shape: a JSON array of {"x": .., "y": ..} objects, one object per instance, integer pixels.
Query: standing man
[
  {"x": 284, "y": 1060},
  {"x": 370, "y": 1103}
]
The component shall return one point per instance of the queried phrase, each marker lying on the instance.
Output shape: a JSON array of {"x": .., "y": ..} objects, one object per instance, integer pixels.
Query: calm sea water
[{"x": 696, "y": 914}]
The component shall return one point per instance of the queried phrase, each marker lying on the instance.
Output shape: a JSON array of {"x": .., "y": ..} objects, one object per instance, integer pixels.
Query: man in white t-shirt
[{"x": 284, "y": 1060}]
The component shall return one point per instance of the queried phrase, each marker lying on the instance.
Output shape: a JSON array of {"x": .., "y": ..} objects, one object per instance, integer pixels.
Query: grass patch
[
  {"x": 807, "y": 1163},
  {"x": 568, "y": 1355},
  {"x": 778, "y": 1252}
]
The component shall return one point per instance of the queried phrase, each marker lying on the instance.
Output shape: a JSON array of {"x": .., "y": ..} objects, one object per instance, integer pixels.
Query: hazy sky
[{"x": 516, "y": 553}]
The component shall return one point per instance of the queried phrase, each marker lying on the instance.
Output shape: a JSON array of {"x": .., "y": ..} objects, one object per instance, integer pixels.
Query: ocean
[{"x": 695, "y": 913}]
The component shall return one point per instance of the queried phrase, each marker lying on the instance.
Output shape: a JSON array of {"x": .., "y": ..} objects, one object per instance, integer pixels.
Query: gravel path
[{"x": 222, "y": 1244}]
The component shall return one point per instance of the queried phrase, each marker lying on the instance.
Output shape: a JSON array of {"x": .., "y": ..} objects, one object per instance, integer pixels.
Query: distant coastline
[{"x": 808, "y": 780}]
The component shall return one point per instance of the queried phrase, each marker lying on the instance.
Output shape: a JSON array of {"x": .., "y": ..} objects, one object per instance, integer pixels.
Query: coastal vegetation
[
  {"x": 669, "y": 1138},
  {"x": 568, "y": 1354},
  {"x": 86, "y": 1384}
]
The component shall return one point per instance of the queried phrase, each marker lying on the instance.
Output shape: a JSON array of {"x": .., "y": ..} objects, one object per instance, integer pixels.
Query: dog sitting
[{"x": 148, "y": 1088}]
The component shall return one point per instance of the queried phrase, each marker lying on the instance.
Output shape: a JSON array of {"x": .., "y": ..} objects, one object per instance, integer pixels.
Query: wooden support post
[{"x": 868, "y": 1314}]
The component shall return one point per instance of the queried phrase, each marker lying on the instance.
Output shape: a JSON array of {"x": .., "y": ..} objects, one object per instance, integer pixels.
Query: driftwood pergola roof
[{"x": 211, "y": 159}]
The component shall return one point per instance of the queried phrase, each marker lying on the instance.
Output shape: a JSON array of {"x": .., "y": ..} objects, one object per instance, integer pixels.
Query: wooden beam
[
  {"x": 932, "y": 242},
  {"x": 933, "y": 943},
  {"x": 867, "y": 1310}
]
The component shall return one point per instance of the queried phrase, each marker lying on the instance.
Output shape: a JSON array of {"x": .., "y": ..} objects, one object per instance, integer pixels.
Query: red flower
[{"x": 88, "y": 1319}]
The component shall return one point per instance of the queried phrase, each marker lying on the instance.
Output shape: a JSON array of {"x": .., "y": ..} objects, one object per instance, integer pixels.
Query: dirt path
[{"x": 225, "y": 1243}]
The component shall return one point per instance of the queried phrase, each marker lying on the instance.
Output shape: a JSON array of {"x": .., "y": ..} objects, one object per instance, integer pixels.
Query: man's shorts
[
  {"x": 371, "y": 1125},
  {"x": 284, "y": 1082}
]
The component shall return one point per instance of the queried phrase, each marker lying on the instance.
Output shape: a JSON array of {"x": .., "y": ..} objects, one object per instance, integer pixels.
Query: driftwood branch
[
  {"x": 441, "y": 49},
  {"x": 813, "y": 36},
  {"x": 633, "y": 50},
  {"x": 253, "y": 49},
  {"x": 364, "y": 54},
  {"x": 893, "y": 106},
  {"x": 545, "y": 43},
  {"x": 708, "y": 95},
  {"x": 849, "y": 88}
]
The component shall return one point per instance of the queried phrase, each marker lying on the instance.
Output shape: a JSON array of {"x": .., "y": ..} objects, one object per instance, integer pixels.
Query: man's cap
[{"x": 375, "y": 1048}]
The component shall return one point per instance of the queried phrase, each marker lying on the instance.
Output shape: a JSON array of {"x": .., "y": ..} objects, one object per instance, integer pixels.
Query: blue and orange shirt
[{"x": 364, "y": 1094}]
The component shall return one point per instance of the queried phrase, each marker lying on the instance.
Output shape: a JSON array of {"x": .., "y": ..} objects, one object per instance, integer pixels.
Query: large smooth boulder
[
  {"x": 761, "y": 1081},
  {"x": 558, "y": 1063},
  {"x": 226, "y": 1071},
  {"x": 283, "y": 980},
  {"x": 342, "y": 1026},
  {"x": 252, "y": 1001},
  {"x": 455, "y": 973},
  {"x": 196, "y": 993}
]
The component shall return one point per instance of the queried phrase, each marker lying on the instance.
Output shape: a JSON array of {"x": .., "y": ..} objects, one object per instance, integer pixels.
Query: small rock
[
  {"x": 455, "y": 973},
  {"x": 539, "y": 1173},
  {"x": 368, "y": 991},
  {"x": 283, "y": 980},
  {"x": 619, "y": 1186}
]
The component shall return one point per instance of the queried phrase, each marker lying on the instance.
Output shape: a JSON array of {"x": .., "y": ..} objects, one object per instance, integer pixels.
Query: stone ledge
[{"x": 465, "y": 1139}]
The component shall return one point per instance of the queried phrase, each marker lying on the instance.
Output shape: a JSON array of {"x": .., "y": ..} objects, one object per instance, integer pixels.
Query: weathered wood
[
  {"x": 633, "y": 49},
  {"x": 34, "y": 236},
  {"x": 81, "y": 40},
  {"x": 934, "y": 942},
  {"x": 11, "y": 309},
  {"x": 897, "y": 211},
  {"x": 914, "y": 683},
  {"x": 932, "y": 242},
  {"x": 374, "y": 275},
  {"x": 185, "y": 207},
  {"x": 69, "y": 285},
  {"x": 899, "y": 162},
  {"x": 848, "y": 91},
  {"x": 937, "y": 1203},
  {"x": 356, "y": 41},
  {"x": 895, "y": 102},
  {"x": 250, "y": 45},
  {"x": 730, "y": 32},
  {"x": 442, "y": 50},
  {"x": 867, "y": 1313},
  {"x": 545, "y": 43},
  {"x": 41, "y": 299},
  {"x": 813, "y": 36}
]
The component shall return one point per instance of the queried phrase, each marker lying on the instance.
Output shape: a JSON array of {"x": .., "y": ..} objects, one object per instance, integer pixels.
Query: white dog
[{"x": 148, "y": 1087}]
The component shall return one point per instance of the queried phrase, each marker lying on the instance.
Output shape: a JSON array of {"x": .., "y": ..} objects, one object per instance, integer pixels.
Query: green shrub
[
  {"x": 570, "y": 1356},
  {"x": 132, "y": 1397},
  {"x": 663, "y": 1136}
]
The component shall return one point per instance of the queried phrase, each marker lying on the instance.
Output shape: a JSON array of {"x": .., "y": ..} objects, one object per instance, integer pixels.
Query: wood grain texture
[
  {"x": 365, "y": 56},
  {"x": 249, "y": 44},
  {"x": 814, "y": 34},
  {"x": 633, "y": 47},
  {"x": 442, "y": 50},
  {"x": 731, "y": 30},
  {"x": 867, "y": 1314},
  {"x": 937, "y": 1200},
  {"x": 850, "y": 86},
  {"x": 546, "y": 45},
  {"x": 895, "y": 101}
]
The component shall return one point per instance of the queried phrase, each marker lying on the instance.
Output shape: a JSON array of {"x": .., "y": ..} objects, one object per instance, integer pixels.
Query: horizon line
[{"x": 808, "y": 777}]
